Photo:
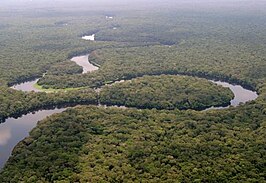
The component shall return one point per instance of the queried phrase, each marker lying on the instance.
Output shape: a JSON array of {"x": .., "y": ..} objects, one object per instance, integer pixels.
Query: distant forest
[{"x": 164, "y": 135}]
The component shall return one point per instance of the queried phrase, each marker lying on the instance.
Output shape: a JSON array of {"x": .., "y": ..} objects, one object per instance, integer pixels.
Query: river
[
  {"x": 241, "y": 95},
  {"x": 80, "y": 60},
  {"x": 26, "y": 86},
  {"x": 14, "y": 130},
  {"x": 89, "y": 38},
  {"x": 83, "y": 61}
]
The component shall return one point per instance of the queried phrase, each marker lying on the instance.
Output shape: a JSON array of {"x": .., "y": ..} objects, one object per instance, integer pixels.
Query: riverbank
[
  {"x": 241, "y": 93},
  {"x": 16, "y": 129}
]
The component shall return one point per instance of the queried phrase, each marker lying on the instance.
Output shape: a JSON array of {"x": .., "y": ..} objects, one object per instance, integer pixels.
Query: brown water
[
  {"x": 83, "y": 61},
  {"x": 242, "y": 95},
  {"x": 26, "y": 86}
]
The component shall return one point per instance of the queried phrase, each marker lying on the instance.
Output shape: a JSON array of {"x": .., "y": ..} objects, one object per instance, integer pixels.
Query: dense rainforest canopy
[
  {"x": 91, "y": 144},
  {"x": 98, "y": 144},
  {"x": 166, "y": 92}
]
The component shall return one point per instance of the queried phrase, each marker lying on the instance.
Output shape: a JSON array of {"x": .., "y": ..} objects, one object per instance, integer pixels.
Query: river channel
[{"x": 15, "y": 130}]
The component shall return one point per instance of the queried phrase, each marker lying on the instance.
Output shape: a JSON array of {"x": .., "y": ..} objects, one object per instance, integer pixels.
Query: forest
[
  {"x": 191, "y": 58},
  {"x": 166, "y": 92},
  {"x": 92, "y": 144},
  {"x": 15, "y": 103},
  {"x": 163, "y": 135}
]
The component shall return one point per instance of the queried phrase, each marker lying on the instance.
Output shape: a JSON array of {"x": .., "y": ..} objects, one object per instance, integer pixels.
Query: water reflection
[
  {"x": 109, "y": 17},
  {"x": 5, "y": 135},
  {"x": 241, "y": 95},
  {"x": 26, "y": 86},
  {"x": 89, "y": 38},
  {"x": 83, "y": 61},
  {"x": 15, "y": 130}
]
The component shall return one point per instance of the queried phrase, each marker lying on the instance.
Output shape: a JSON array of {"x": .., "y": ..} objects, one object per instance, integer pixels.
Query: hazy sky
[
  {"x": 255, "y": 5},
  {"x": 110, "y": 2}
]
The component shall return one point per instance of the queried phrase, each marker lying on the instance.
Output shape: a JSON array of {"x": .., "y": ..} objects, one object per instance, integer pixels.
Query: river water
[
  {"x": 26, "y": 86},
  {"x": 83, "y": 61},
  {"x": 80, "y": 60},
  {"x": 15, "y": 130},
  {"x": 241, "y": 95},
  {"x": 89, "y": 38}
]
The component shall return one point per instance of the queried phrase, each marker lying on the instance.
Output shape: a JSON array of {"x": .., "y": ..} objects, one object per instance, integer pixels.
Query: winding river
[
  {"x": 14, "y": 130},
  {"x": 241, "y": 95}
]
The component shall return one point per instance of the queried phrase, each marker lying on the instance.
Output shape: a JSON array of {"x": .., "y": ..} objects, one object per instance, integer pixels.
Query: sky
[
  {"x": 256, "y": 5},
  {"x": 110, "y": 2}
]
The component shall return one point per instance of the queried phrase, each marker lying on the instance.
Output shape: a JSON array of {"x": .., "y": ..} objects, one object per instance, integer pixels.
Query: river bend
[{"x": 14, "y": 130}]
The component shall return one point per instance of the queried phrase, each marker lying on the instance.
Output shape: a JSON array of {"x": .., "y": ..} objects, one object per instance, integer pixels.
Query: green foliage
[
  {"x": 224, "y": 48},
  {"x": 15, "y": 103},
  {"x": 166, "y": 92},
  {"x": 209, "y": 59},
  {"x": 63, "y": 68},
  {"x": 90, "y": 144}
]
